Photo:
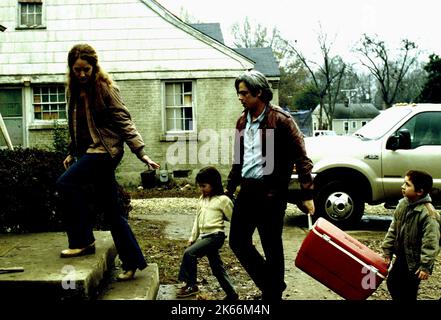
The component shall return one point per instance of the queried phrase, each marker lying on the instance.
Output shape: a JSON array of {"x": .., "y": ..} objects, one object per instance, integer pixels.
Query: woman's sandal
[
  {"x": 70, "y": 253},
  {"x": 126, "y": 275}
]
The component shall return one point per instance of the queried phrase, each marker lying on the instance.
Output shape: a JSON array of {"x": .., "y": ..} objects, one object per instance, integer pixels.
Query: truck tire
[{"x": 340, "y": 203}]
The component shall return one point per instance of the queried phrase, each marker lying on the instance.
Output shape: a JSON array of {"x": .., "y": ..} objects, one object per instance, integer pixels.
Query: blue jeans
[
  {"x": 208, "y": 246},
  {"x": 74, "y": 187}
]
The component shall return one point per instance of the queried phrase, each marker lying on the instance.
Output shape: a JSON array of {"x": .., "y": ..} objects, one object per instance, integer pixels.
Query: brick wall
[{"x": 217, "y": 109}]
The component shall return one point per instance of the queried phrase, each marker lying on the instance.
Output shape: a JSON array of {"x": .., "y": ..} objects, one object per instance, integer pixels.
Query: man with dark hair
[{"x": 268, "y": 144}]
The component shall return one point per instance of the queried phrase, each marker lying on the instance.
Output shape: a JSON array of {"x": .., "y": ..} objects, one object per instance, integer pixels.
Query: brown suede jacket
[
  {"x": 113, "y": 122},
  {"x": 279, "y": 128}
]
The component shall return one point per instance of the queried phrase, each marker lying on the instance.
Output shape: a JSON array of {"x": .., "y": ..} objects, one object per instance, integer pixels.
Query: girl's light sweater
[{"x": 210, "y": 216}]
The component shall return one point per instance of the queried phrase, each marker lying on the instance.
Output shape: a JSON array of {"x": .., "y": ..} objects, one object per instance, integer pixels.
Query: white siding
[{"x": 129, "y": 35}]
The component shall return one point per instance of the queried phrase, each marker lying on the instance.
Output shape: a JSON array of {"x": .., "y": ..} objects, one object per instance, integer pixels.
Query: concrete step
[
  {"x": 144, "y": 286},
  {"x": 46, "y": 275}
]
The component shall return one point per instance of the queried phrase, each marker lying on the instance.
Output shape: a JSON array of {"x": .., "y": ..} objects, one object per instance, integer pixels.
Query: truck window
[{"x": 425, "y": 129}]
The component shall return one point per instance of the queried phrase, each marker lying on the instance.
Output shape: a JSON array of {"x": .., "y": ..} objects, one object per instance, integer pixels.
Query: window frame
[
  {"x": 49, "y": 103},
  {"x": 20, "y": 4},
  {"x": 174, "y": 132}
]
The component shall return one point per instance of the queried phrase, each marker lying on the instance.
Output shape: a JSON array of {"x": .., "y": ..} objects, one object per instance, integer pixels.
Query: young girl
[{"x": 208, "y": 235}]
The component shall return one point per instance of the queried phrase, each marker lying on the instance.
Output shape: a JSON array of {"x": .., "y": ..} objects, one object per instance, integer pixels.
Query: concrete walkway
[{"x": 46, "y": 276}]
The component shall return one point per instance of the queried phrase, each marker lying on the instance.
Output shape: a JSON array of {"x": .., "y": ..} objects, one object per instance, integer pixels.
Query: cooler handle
[{"x": 309, "y": 221}]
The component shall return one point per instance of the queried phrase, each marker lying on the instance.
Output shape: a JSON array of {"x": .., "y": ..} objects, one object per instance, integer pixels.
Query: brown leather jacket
[
  {"x": 113, "y": 123},
  {"x": 289, "y": 149}
]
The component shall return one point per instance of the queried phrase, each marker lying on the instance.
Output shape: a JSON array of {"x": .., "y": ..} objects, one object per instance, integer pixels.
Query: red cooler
[{"x": 340, "y": 262}]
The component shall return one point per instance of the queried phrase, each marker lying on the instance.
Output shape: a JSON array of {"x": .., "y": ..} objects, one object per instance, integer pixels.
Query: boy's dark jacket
[{"x": 419, "y": 236}]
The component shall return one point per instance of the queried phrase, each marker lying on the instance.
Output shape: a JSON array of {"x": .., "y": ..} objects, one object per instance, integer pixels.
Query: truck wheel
[{"x": 340, "y": 203}]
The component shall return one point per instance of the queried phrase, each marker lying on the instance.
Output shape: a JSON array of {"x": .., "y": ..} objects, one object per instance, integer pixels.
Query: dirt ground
[{"x": 162, "y": 221}]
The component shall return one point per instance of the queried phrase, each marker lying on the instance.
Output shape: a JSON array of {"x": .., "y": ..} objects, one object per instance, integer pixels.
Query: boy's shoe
[
  {"x": 232, "y": 297},
  {"x": 187, "y": 291}
]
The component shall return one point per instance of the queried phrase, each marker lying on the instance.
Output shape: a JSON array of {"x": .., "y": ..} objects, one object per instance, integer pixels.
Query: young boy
[{"x": 413, "y": 237}]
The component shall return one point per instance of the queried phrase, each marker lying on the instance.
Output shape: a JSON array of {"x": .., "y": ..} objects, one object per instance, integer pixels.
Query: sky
[{"x": 343, "y": 21}]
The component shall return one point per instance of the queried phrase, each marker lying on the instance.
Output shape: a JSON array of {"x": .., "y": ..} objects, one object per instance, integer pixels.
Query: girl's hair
[
  {"x": 255, "y": 82},
  {"x": 421, "y": 180},
  {"x": 211, "y": 176},
  {"x": 100, "y": 80}
]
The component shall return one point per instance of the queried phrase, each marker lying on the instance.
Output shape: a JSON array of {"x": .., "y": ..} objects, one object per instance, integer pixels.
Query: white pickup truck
[{"x": 369, "y": 166}]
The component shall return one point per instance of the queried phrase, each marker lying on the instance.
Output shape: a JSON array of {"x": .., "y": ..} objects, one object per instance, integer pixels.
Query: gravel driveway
[{"x": 179, "y": 213}]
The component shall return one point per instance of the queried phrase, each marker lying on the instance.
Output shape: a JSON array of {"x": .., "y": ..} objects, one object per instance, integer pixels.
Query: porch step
[
  {"x": 47, "y": 276},
  {"x": 144, "y": 286}
]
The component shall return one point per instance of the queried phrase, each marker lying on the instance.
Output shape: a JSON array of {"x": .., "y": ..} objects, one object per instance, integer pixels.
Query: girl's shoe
[
  {"x": 126, "y": 275},
  {"x": 70, "y": 253},
  {"x": 187, "y": 291}
]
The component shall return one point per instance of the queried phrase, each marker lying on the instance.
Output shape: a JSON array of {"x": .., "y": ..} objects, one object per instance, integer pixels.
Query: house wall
[
  {"x": 130, "y": 36},
  {"x": 217, "y": 109},
  {"x": 140, "y": 45},
  {"x": 338, "y": 125}
]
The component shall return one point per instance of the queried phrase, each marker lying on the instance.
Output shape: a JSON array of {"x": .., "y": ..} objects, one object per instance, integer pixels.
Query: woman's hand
[
  {"x": 68, "y": 161},
  {"x": 145, "y": 158}
]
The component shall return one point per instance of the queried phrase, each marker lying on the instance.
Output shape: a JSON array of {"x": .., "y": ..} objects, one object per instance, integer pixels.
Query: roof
[
  {"x": 264, "y": 58},
  {"x": 212, "y": 30},
  {"x": 355, "y": 111}
]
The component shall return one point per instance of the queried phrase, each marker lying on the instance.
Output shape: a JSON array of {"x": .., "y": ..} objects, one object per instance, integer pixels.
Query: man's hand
[
  {"x": 422, "y": 275},
  {"x": 308, "y": 206}
]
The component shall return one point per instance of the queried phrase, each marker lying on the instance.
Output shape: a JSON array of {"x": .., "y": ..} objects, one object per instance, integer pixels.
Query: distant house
[
  {"x": 348, "y": 118},
  {"x": 176, "y": 79}
]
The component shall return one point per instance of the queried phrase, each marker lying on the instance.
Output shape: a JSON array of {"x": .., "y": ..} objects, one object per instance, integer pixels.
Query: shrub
[{"x": 28, "y": 198}]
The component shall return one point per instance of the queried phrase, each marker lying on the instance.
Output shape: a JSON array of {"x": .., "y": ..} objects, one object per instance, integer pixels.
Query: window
[
  {"x": 363, "y": 123},
  {"x": 178, "y": 106},
  {"x": 30, "y": 13},
  {"x": 425, "y": 129},
  {"x": 354, "y": 125},
  {"x": 49, "y": 103},
  {"x": 346, "y": 125}
]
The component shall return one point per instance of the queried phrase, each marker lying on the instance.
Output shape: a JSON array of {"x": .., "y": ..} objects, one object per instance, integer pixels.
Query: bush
[{"x": 28, "y": 198}]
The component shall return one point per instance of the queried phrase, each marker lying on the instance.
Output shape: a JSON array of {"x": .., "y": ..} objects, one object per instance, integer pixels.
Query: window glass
[
  {"x": 179, "y": 106},
  {"x": 425, "y": 129},
  {"x": 30, "y": 14},
  {"x": 49, "y": 103}
]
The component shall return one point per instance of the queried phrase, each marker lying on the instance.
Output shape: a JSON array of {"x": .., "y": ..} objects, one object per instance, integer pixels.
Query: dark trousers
[
  {"x": 208, "y": 246},
  {"x": 402, "y": 284},
  {"x": 74, "y": 187},
  {"x": 258, "y": 208}
]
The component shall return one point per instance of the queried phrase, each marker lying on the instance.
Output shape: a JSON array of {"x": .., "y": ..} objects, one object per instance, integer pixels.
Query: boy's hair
[
  {"x": 421, "y": 180},
  {"x": 211, "y": 176}
]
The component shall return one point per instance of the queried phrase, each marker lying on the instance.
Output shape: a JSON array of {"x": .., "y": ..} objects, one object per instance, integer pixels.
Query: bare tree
[
  {"x": 326, "y": 79},
  {"x": 258, "y": 36},
  {"x": 388, "y": 72}
]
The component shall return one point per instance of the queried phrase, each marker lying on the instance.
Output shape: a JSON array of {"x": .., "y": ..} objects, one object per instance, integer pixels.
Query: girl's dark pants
[
  {"x": 98, "y": 171},
  {"x": 207, "y": 246}
]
